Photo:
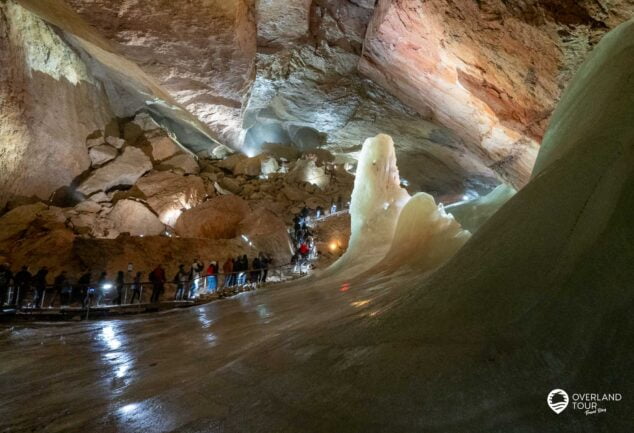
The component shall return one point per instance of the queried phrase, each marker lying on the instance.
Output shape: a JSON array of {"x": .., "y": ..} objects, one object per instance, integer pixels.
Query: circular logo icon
[{"x": 557, "y": 400}]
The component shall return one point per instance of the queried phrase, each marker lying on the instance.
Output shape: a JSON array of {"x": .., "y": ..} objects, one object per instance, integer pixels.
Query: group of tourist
[
  {"x": 127, "y": 287},
  {"x": 303, "y": 240}
]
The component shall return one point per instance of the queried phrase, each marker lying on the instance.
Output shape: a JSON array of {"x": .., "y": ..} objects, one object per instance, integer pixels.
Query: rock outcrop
[
  {"x": 490, "y": 70},
  {"x": 123, "y": 171},
  {"x": 169, "y": 194},
  {"x": 217, "y": 218},
  {"x": 129, "y": 216}
]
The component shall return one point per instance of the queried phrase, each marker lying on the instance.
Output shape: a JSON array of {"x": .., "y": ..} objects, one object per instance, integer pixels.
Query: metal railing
[{"x": 92, "y": 296}]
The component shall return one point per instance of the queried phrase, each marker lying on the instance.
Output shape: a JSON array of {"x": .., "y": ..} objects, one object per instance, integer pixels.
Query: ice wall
[{"x": 473, "y": 213}]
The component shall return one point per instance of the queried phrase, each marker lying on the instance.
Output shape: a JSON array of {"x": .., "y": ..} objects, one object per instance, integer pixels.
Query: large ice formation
[
  {"x": 472, "y": 214},
  {"x": 388, "y": 227}
]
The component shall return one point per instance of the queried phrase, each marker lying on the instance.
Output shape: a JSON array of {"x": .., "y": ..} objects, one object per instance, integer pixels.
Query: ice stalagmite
[{"x": 377, "y": 200}]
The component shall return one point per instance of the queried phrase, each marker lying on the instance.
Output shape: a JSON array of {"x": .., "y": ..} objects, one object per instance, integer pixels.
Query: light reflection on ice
[{"x": 110, "y": 337}]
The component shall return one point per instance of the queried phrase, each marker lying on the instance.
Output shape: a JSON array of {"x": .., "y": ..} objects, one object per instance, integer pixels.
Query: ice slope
[{"x": 473, "y": 213}]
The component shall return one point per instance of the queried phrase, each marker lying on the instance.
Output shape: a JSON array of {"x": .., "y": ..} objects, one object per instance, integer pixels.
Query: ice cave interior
[{"x": 440, "y": 194}]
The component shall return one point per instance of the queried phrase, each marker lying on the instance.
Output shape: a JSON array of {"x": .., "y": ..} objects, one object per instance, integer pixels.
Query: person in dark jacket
[
  {"x": 120, "y": 286},
  {"x": 136, "y": 288},
  {"x": 6, "y": 276},
  {"x": 157, "y": 278},
  {"x": 59, "y": 283},
  {"x": 22, "y": 282},
  {"x": 39, "y": 282},
  {"x": 84, "y": 291},
  {"x": 265, "y": 262},
  {"x": 256, "y": 271}
]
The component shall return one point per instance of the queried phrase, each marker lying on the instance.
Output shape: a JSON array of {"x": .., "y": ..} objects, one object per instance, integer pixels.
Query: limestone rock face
[
  {"x": 218, "y": 218},
  {"x": 495, "y": 76},
  {"x": 50, "y": 104},
  {"x": 168, "y": 194},
  {"x": 203, "y": 57},
  {"x": 129, "y": 216},
  {"x": 123, "y": 171},
  {"x": 250, "y": 166},
  {"x": 101, "y": 154}
]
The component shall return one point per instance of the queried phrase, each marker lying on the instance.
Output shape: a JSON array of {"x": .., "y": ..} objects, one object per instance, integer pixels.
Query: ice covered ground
[{"x": 539, "y": 298}]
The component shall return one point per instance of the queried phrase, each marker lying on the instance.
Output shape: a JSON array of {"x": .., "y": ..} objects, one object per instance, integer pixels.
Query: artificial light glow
[
  {"x": 128, "y": 408},
  {"x": 360, "y": 304},
  {"x": 107, "y": 286}
]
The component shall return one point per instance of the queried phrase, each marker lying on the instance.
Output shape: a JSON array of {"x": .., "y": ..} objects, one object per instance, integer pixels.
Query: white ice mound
[{"x": 425, "y": 237}]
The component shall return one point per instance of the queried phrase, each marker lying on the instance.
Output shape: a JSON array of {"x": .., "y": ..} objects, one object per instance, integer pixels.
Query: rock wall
[
  {"x": 50, "y": 104},
  {"x": 490, "y": 70},
  {"x": 201, "y": 52}
]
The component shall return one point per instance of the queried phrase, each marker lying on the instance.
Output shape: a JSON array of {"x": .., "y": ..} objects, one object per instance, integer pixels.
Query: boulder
[
  {"x": 101, "y": 154},
  {"x": 269, "y": 165},
  {"x": 92, "y": 142},
  {"x": 230, "y": 184},
  {"x": 163, "y": 147},
  {"x": 306, "y": 170},
  {"x": 221, "y": 152},
  {"x": 115, "y": 142},
  {"x": 123, "y": 171},
  {"x": 88, "y": 206},
  {"x": 232, "y": 161},
  {"x": 217, "y": 218},
  {"x": 130, "y": 216},
  {"x": 269, "y": 235},
  {"x": 250, "y": 166},
  {"x": 183, "y": 162},
  {"x": 293, "y": 193},
  {"x": 145, "y": 122},
  {"x": 99, "y": 197},
  {"x": 15, "y": 222},
  {"x": 169, "y": 194}
]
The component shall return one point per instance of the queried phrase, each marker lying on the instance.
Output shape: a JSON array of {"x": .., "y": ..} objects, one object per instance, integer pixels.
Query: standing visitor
[
  {"x": 256, "y": 272},
  {"x": 227, "y": 269},
  {"x": 86, "y": 293},
  {"x": 265, "y": 262},
  {"x": 101, "y": 287},
  {"x": 195, "y": 274},
  {"x": 157, "y": 278},
  {"x": 58, "y": 284},
  {"x": 181, "y": 279},
  {"x": 136, "y": 288},
  {"x": 212, "y": 282},
  {"x": 39, "y": 282},
  {"x": 22, "y": 282},
  {"x": 120, "y": 282},
  {"x": 5, "y": 281}
]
